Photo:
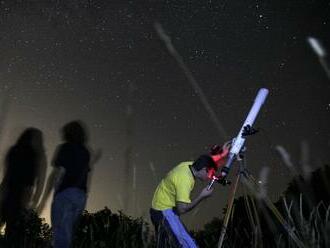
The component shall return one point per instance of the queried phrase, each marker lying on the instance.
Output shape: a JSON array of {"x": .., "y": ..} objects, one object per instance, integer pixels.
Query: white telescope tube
[
  {"x": 258, "y": 102},
  {"x": 239, "y": 140}
]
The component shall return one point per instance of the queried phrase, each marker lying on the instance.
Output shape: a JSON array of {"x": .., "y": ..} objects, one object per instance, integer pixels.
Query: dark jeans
[{"x": 67, "y": 206}]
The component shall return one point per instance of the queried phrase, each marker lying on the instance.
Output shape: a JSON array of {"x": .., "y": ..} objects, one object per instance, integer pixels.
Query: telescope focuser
[{"x": 248, "y": 130}]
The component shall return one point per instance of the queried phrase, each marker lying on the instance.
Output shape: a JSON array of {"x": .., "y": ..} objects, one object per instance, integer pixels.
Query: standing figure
[
  {"x": 23, "y": 181},
  {"x": 70, "y": 180}
]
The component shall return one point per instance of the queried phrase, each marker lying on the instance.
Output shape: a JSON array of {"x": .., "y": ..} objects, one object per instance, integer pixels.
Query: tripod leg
[{"x": 229, "y": 210}]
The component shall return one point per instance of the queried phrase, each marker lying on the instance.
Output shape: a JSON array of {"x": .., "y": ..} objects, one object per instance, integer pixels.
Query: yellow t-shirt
[{"x": 175, "y": 187}]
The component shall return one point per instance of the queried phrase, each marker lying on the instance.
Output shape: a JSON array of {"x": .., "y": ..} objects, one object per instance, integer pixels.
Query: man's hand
[
  {"x": 96, "y": 155},
  {"x": 59, "y": 174},
  {"x": 206, "y": 192},
  {"x": 53, "y": 182},
  {"x": 227, "y": 145},
  {"x": 182, "y": 207}
]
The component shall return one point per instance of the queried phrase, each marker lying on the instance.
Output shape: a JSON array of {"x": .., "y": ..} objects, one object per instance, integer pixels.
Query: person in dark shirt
[
  {"x": 74, "y": 158},
  {"x": 70, "y": 180},
  {"x": 22, "y": 185}
]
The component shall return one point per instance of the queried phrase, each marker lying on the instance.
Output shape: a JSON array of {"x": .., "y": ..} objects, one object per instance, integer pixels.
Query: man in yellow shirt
[{"x": 172, "y": 198}]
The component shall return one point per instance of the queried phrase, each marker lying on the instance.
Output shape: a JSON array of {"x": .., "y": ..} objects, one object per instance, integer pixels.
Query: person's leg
[
  {"x": 12, "y": 217},
  {"x": 67, "y": 206},
  {"x": 79, "y": 201},
  {"x": 156, "y": 217},
  {"x": 179, "y": 232},
  {"x": 60, "y": 212},
  {"x": 164, "y": 235}
]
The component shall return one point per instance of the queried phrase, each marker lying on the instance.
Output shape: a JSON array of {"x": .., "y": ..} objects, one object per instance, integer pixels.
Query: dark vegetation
[{"x": 305, "y": 205}]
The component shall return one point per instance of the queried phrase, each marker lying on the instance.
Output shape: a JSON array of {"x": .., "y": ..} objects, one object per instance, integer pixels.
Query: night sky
[{"x": 103, "y": 62}]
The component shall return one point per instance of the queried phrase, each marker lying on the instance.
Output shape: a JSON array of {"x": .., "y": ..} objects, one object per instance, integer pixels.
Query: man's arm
[
  {"x": 54, "y": 180},
  {"x": 40, "y": 182},
  {"x": 95, "y": 157},
  {"x": 183, "y": 207}
]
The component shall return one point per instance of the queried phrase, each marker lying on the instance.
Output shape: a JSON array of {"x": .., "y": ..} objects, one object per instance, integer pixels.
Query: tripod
[{"x": 243, "y": 176}]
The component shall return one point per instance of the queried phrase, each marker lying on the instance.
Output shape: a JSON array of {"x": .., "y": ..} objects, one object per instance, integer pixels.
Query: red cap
[
  {"x": 218, "y": 155},
  {"x": 219, "y": 158}
]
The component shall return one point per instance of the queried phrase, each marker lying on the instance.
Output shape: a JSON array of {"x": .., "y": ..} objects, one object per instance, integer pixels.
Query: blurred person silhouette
[
  {"x": 24, "y": 177},
  {"x": 70, "y": 180}
]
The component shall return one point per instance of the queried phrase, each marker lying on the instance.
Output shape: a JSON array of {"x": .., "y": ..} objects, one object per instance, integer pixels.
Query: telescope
[{"x": 238, "y": 142}]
